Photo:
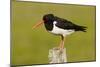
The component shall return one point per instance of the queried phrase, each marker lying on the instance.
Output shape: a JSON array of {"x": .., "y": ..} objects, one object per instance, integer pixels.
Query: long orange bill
[{"x": 37, "y": 25}]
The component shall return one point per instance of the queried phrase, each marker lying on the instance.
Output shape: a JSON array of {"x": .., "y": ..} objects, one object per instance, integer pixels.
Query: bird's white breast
[{"x": 57, "y": 30}]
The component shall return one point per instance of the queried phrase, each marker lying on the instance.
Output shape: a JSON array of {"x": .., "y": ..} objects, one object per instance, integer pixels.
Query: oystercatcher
[{"x": 59, "y": 26}]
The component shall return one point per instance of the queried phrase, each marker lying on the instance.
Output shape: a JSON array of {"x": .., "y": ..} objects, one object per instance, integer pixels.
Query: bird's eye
[{"x": 46, "y": 19}]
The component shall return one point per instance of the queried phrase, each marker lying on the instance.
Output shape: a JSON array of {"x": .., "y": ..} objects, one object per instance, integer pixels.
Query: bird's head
[{"x": 46, "y": 18}]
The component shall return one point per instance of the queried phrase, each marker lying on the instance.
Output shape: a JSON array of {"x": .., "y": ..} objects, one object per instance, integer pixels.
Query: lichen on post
[{"x": 57, "y": 56}]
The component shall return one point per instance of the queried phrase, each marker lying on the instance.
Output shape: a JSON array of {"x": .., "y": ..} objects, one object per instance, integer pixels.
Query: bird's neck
[{"x": 48, "y": 25}]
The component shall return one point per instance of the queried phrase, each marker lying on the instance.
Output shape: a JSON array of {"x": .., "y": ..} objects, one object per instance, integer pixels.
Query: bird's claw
[{"x": 60, "y": 49}]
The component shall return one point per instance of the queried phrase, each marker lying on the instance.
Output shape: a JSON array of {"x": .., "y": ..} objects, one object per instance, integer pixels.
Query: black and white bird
[{"x": 59, "y": 26}]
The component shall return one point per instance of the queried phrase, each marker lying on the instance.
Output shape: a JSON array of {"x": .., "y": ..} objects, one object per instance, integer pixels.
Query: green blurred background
[{"x": 32, "y": 46}]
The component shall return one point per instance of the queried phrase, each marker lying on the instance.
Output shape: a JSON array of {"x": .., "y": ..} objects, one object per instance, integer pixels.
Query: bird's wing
[{"x": 64, "y": 24}]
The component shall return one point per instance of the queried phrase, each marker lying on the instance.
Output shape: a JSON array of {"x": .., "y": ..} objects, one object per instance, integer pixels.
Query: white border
[
  {"x": 4, "y": 33},
  {"x": 82, "y": 2}
]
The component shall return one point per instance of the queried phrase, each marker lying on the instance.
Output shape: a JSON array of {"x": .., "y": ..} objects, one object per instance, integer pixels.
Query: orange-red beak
[{"x": 37, "y": 25}]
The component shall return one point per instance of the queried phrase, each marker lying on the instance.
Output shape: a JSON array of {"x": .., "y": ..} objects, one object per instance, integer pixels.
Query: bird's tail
[{"x": 81, "y": 28}]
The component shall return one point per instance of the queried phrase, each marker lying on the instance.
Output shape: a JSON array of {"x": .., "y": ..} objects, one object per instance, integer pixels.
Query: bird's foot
[{"x": 60, "y": 49}]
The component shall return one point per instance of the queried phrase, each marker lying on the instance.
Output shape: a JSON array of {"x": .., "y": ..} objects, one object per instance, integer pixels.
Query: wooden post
[{"x": 57, "y": 56}]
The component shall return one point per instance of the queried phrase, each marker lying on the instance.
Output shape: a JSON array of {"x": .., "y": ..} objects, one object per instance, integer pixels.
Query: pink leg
[{"x": 62, "y": 43}]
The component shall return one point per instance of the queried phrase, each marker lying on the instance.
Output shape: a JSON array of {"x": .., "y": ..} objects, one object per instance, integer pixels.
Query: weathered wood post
[{"x": 57, "y": 56}]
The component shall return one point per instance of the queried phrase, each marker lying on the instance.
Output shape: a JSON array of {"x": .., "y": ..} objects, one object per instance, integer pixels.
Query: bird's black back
[{"x": 65, "y": 24}]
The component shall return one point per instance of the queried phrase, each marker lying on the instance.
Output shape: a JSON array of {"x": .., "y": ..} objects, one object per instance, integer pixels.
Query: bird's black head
[{"x": 48, "y": 18}]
